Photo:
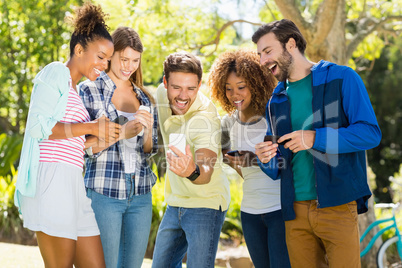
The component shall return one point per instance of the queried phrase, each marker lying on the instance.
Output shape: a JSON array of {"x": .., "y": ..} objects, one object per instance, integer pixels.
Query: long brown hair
[{"x": 124, "y": 37}]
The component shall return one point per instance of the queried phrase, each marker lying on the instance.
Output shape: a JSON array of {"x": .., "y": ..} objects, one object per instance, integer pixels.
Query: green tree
[
  {"x": 337, "y": 30},
  {"x": 383, "y": 82},
  {"x": 167, "y": 26},
  {"x": 32, "y": 34}
]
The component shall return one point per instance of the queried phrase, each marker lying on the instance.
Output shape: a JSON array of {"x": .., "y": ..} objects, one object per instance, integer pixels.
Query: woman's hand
[
  {"x": 245, "y": 159},
  {"x": 131, "y": 129},
  {"x": 106, "y": 130},
  {"x": 145, "y": 118}
]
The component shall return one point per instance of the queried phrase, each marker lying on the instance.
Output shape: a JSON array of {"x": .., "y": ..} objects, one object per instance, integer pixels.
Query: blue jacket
[{"x": 345, "y": 126}]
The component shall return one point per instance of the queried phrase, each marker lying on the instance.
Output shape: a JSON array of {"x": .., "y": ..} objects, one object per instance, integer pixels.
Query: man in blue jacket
[{"x": 323, "y": 113}]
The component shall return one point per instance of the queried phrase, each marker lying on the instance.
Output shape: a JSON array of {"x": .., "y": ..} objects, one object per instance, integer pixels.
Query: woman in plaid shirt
[{"x": 118, "y": 176}]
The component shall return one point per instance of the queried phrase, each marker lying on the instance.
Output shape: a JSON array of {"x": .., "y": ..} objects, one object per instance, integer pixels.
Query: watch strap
[{"x": 196, "y": 173}]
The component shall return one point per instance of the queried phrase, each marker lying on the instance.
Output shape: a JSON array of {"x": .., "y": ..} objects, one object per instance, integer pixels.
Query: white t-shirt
[
  {"x": 129, "y": 147},
  {"x": 261, "y": 194}
]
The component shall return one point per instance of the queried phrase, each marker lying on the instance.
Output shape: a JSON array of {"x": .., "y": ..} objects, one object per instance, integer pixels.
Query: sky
[{"x": 247, "y": 10}]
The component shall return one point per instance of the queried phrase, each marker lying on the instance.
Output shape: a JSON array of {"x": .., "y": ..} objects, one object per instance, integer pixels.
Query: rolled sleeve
[{"x": 48, "y": 100}]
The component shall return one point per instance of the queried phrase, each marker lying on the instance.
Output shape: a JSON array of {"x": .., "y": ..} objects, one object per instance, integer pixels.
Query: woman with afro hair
[
  {"x": 242, "y": 88},
  {"x": 50, "y": 191}
]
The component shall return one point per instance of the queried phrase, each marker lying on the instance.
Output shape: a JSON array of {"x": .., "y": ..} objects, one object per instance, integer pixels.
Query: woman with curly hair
[
  {"x": 243, "y": 88},
  {"x": 50, "y": 189}
]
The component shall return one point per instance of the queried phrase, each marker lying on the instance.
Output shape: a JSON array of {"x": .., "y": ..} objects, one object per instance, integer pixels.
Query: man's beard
[{"x": 284, "y": 63}]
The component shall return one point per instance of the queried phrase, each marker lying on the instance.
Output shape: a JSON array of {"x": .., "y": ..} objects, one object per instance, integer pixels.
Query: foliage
[
  {"x": 169, "y": 26},
  {"x": 338, "y": 30},
  {"x": 11, "y": 226},
  {"x": 32, "y": 34},
  {"x": 232, "y": 228},
  {"x": 158, "y": 210},
  {"x": 383, "y": 83},
  {"x": 10, "y": 147}
]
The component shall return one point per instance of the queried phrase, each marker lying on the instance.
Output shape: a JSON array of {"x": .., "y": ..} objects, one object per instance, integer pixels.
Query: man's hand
[
  {"x": 299, "y": 140},
  {"x": 265, "y": 151},
  {"x": 181, "y": 164}
]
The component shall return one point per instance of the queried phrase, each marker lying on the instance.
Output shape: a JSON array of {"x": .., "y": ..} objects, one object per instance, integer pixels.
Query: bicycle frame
[{"x": 380, "y": 232}]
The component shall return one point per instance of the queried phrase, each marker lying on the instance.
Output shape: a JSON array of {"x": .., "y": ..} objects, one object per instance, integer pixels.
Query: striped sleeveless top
[{"x": 71, "y": 150}]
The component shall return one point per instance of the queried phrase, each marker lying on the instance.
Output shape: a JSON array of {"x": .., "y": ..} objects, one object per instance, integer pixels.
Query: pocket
[
  {"x": 46, "y": 174},
  {"x": 89, "y": 193},
  {"x": 352, "y": 206}
]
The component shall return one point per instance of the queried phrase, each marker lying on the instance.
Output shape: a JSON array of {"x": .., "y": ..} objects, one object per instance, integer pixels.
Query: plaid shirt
[{"x": 105, "y": 170}]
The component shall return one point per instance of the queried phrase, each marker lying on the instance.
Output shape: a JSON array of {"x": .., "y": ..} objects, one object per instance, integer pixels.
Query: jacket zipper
[{"x": 315, "y": 173}]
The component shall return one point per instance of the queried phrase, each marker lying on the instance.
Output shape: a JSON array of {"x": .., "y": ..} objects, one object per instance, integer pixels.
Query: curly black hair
[
  {"x": 244, "y": 63},
  {"x": 89, "y": 25}
]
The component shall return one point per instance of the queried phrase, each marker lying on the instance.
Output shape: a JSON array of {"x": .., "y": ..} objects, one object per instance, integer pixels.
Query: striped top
[{"x": 71, "y": 150}]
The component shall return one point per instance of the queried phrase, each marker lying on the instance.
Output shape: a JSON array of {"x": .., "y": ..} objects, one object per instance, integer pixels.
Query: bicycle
[{"x": 392, "y": 243}]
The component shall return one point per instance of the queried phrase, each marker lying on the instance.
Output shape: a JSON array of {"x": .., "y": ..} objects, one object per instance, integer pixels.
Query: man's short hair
[
  {"x": 182, "y": 62},
  {"x": 283, "y": 30}
]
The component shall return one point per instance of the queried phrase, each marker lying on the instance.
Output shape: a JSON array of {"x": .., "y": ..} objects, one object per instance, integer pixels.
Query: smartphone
[
  {"x": 121, "y": 120},
  {"x": 178, "y": 140},
  {"x": 234, "y": 153},
  {"x": 274, "y": 139},
  {"x": 145, "y": 108}
]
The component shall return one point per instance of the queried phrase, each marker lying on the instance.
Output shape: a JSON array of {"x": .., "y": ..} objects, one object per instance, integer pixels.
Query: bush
[
  {"x": 232, "y": 230},
  {"x": 10, "y": 148},
  {"x": 158, "y": 210},
  {"x": 11, "y": 226}
]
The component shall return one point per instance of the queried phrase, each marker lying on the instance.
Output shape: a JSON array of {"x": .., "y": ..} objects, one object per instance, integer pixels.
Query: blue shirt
[{"x": 105, "y": 170}]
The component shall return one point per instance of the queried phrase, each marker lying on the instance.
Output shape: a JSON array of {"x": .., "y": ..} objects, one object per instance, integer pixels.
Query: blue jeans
[
  {"x": 124, "y": 226},
  {"x": 265, "y": 238},
  {"x": 192, "y": 230}
]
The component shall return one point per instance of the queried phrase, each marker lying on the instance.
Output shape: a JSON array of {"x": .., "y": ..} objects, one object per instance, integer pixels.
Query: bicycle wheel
[{"x": 388, "y": 255}]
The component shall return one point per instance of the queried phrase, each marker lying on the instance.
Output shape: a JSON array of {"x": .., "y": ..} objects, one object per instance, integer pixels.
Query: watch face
[{"x": 195, "y": 174}]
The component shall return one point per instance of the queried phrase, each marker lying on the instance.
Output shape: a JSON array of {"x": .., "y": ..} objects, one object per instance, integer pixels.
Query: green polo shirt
[{"x": 301, "y": 112}]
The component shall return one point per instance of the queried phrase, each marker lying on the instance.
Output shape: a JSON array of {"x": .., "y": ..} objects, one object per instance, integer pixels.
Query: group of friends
[{"x": 296, "y": 132}]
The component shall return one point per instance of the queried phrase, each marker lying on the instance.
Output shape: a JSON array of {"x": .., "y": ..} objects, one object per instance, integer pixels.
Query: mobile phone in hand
[
  {"x": 178, "y": 140},
  {"x": 234, "y": 153},
  {"x": 121, "y": 120},
  {"x": 145, "y": 108},
  {"x": 274, "y": 139}
]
